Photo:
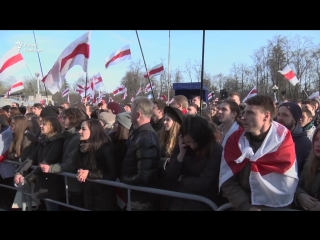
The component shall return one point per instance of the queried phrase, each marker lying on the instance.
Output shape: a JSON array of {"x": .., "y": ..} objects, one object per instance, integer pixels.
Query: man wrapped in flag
[{"x": 258, "y": 166}]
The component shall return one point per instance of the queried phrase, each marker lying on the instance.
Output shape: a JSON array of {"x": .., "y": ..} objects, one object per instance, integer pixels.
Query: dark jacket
[
  {"x": 139, "y": 166},
  {"x": 303, "y": 146},
  {"x": 313, "y": 189},
  {"x": 119, "y": 150},
  {"x": 48, "y": 151},
  {"x": 200, "y": 177},
  {"x": 158, "y": 125},
  {"x": 102, "y": 165},
  {"x": 69, "y": 159}
]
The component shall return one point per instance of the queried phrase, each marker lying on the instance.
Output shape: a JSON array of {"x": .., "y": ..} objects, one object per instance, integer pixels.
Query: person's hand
[
  {"x": 307, "y": 202},
  {"x": 182, "y": 144},
  {"x": 254, "y": 209},
  {"x": 18, "y": 179},
  {"x": 44, "y": 167},
  {"x": 82, "y": 175},
  {"x": 317, "y": 207}
]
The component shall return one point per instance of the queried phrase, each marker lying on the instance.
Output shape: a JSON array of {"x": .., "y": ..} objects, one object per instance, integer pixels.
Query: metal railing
[
  {"x": 27, "y": 191},
  {"x": 27, "y": 195}
]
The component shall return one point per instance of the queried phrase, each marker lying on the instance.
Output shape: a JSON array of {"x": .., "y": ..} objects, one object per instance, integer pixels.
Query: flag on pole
[
  {"x": 139, "y": 91},
  {"x": 10, "y": 63},
  {"x": 251, "y": 94},
  {"x": 120, "y": 55},
  {"x": 65, "y": 92},
  {"x": 124, "y": 95},
  {"x": 156, "y": 70},
  {"x": 119, "y": 90},
  {"x": 77, "y": 53},
  {"x": 15, "y": 88},
  {"x": 289, "y": 75}
]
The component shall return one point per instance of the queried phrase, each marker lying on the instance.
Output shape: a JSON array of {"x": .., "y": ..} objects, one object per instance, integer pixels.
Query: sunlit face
[
  {"x": 304, "y": 119},
  {"x": 285, "y": 118},
  {"x": 190, "y": 142},
  {"x": 316, "y": 144},
  {"x": 156, "y": 112},
  {"x": 167, "y": 123},
  {"x": 225, "y": 113},
  {"x": 36, "y": 111},
  {"x": 127, "y": 108},
  {"x": 213, "y": 111},
  {"x": 191, "y": 110},
  {"x": 254, "y": 119},
  {"x": 309, "y": 107},
  {"x": 14, "y": 105},
  {"x": 84, "y": 132},
  {"x": 45, "y": 127},
  {"x": 196, "y": 100}
]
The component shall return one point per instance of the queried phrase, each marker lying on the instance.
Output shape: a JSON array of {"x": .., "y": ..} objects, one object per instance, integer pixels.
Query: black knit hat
[
  {"x": 49, "y": 111},
  {"x": 294, "y": 109}
]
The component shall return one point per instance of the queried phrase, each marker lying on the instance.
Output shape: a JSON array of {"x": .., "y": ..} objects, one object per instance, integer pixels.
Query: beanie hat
[
  {"x": 114, "y": 107},
  {"x": 49, "y": 111},
  {"x": 107, "y": 118},
  {"x": 294, "y": 109},
  {"x": 124, "y": 119}
]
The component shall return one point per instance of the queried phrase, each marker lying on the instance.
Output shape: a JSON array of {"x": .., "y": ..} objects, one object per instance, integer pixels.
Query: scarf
[
  {"x": 84, "y": 147},
  {"x": 273, "y": 177}
]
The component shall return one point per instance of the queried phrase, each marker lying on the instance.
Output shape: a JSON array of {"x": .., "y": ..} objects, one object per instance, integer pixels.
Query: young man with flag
[{"x": 258, "y": 167}]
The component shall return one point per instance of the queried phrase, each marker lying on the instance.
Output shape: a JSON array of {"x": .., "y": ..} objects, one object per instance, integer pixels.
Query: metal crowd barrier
[{"x": 27, "y": 196}]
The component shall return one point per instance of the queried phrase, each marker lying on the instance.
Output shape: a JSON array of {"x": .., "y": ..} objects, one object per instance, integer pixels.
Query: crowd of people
[{"x": 255, "y": 155}]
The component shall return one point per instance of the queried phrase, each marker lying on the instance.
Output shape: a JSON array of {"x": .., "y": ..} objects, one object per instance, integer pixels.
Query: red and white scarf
[{"x": 273, "y": 178}]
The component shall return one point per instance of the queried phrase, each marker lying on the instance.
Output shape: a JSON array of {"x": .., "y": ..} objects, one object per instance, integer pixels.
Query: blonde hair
[{"x": 169, "y": 139}]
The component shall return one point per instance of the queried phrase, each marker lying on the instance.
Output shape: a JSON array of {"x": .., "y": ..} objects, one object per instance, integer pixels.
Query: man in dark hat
[{"x": 289, "y": 115}]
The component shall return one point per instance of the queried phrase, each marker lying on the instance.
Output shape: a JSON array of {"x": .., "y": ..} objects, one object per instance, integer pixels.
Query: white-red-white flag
[
  {"x": 139, "y": 91},
  {"x": 98, "y": 83},
  {"x": 163, "y": 97},
  {"x": 77, "y": 53},
  {"x": 124, "y": 95},
  {"x": 289, "y": 75},
  {"x": 251, "y": 94},
  {"x": 11, "y": 62},
  {"x": 119, "y": 90},
  {"x": 273, "y": 176},
  {"x": 65, "y": 92},
  {"x": 210, "y": 95},
  {"x": 120, "y": 55},
  {"x": 156, "y": 70},
  {"x": 15, "y": 88},
  {"x": 149, "y": 88}
]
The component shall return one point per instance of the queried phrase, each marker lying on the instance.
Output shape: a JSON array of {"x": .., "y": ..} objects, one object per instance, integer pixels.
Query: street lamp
[{"x": 275, "y": 91}]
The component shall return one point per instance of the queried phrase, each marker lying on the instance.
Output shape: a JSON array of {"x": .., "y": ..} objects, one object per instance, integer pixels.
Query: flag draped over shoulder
[
  {"x": 273, "y": 177},
  {"x": 77, "y": 53}
]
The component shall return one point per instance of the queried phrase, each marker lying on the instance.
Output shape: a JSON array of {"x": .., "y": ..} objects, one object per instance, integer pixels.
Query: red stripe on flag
[
  {"x": 289, "y": 75},
  {"x": 154, "y": 71},
  {"x": 119, "y": 55},
  {"x": 18, "y": 84},
  {"x": 11, "y": 61},
  {"x": 82, "y": 48}
]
